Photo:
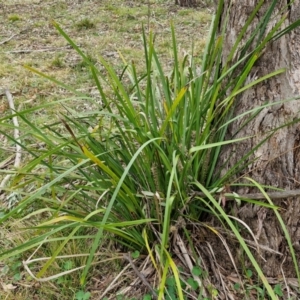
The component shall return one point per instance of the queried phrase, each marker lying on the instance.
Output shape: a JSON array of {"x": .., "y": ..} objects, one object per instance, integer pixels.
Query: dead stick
[
  {"x": 256, "y": 196},
  {"x": 140, "y": 275},
  {"x": 7, "y": 40},
  {"x": 39, "y": 50},
  {"x": 16, "y": 137}
]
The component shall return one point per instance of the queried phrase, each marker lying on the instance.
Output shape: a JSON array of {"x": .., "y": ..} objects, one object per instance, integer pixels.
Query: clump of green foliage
[
  {"x": 57, "y": 62},
  {"x": 133, "y": 168},
  {"x": 85, "y": 24},
  {"x": 14, "y": 18}
]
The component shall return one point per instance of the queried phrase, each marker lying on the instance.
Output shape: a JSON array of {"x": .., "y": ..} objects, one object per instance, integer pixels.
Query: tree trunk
[{"x": 277, "y": 162}]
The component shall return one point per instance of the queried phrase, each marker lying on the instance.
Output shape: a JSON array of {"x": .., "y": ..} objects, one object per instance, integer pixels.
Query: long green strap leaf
[
  {"x": 240, "y": 239},
  {"x": 99, "y": 235}
]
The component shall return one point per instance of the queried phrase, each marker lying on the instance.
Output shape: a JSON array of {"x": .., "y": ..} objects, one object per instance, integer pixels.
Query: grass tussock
[{"x": 127, "y": 184}]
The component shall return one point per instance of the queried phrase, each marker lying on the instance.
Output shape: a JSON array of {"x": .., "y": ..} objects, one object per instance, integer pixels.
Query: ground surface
[{"x": 27, "y": 37}]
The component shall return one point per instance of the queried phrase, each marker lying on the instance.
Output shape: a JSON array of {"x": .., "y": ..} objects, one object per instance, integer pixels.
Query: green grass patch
[
  {"x": 85, "y": 24},
  {"x": 14, "y": 18}
]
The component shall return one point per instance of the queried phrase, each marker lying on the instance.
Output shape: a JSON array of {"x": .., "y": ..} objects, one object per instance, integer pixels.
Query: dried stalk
[{"x": 18, "y": 156}]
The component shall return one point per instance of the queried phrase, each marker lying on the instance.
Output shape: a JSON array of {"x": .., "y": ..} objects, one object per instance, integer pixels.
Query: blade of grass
[
  {"x": 99, "y": 234},
  {"x": 282, "y": 224},
  {"x": 240, "y": 239}
]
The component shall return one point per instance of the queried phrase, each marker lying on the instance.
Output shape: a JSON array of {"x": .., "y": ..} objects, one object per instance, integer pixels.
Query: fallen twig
[
  {"x": 16, "y": 138},
  {"x": 7, "y": 40},
  {"x": 39, "y": 50},
  {"x": 111, "y": 285},
  {"x": 140, "y": 275},
  {"x": 256, "y": 196}
]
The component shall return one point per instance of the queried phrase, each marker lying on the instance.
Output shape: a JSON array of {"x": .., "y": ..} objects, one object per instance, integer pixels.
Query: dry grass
[
  {"x": 104, "y": 27},
  {"x": 116, "y": 26}
]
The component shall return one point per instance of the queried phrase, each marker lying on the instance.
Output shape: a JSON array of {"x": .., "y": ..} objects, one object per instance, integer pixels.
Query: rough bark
[{"x": 277, "y": 162}]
